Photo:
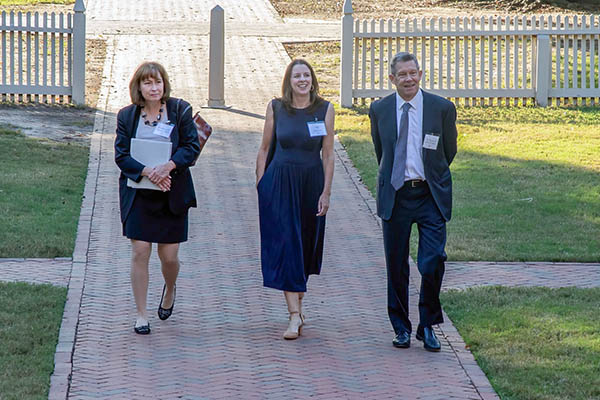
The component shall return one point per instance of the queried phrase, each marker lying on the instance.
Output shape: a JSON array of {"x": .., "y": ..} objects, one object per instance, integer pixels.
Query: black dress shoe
[
  {"x": 402, "y": 340},
  {"x": 430, "y": 341},
  {"x": 164, "y": 313},
  {"x": 142, "y": 330}
]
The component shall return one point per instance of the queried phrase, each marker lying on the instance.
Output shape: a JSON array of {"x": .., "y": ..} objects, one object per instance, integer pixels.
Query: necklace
[{"x": 153, "y": 123}]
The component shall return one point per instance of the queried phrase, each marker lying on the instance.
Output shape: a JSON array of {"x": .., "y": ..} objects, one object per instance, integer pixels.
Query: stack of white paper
[{"x": 150, "y": 153}]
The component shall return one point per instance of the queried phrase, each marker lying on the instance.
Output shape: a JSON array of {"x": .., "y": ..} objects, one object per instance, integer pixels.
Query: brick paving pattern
[
  {"x": 460, "y": 275},
  {"x": 224, "y": 338},
  {"x": 53, "y": 271}
]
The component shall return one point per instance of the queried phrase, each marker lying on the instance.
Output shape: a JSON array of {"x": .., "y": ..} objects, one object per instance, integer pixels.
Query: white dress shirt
[{"x": 414, "y": 146}]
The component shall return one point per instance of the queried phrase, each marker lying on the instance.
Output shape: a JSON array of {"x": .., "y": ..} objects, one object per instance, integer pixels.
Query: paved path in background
[
  {"x": 461, "y": 275},
  {"x": 224, "y": 338},
  {"x": 53, "y": 271}
]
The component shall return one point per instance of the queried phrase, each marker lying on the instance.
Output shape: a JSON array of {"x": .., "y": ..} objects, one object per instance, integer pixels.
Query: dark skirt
[
  {"x": 151, "y": 220},
  {"x": 291, "y": 235}
]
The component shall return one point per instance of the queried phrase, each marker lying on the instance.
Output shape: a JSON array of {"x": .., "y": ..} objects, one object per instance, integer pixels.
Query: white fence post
[
  {"x": 216, "y": 70},
  {"x": 542, "y": 84},
  {"x": 78, "y": 94},
  {"x": 346, "y": 55}
]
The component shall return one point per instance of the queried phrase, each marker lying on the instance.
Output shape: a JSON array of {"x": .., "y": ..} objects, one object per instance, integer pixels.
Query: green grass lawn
[
  {"x": 534, "y": 343},
  {"x": 41, "y": 185},
  {"x": 527, "y": 185},
  {"x": 30, "y": 319}
]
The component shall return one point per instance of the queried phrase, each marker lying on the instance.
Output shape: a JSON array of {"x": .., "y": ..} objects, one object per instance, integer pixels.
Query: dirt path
[{"x": 366, "y": 9}]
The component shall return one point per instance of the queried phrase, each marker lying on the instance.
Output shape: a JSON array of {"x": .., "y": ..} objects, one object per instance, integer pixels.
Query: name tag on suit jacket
[{"x": 431, "y": 141}]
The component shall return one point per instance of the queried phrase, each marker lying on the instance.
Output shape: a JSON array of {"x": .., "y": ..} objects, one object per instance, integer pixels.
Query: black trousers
[{"x": 414, "y": 205}]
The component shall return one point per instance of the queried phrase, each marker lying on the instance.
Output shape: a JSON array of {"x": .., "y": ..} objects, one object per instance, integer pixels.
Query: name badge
[
  {"x": 431, "y": 141},
  {"x": 163, "y": 130},
  {"x": 317, "y": 128}
]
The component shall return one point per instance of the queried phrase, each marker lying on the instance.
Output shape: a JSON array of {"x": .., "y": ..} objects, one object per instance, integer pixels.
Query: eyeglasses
[{"x": 404, "y": 75}]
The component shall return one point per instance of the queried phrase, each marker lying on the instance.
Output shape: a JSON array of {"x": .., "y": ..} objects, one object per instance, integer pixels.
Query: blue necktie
[{"x": 400, "y": 150}]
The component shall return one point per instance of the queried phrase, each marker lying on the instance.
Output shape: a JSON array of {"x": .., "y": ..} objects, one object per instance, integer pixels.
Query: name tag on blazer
[
  {"x": 431, "y": 141},
  {"x": 163, "y": 130}
]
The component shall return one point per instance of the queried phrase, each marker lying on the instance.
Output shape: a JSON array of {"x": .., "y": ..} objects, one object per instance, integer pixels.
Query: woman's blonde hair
[
  {"x": 146, "y": 70},
  {"x": 286, "y": 87}
]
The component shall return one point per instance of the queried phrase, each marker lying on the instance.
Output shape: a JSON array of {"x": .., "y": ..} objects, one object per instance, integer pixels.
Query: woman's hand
[
  {"x": 161, "y": 172},
  {"x": 323, "y": 204},
  {"x": 160, "y": 175},
  {"x": 165, "y": 184}
]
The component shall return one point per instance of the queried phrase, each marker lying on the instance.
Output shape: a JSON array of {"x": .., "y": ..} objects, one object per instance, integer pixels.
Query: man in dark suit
[{"x": 414, "y": 134}]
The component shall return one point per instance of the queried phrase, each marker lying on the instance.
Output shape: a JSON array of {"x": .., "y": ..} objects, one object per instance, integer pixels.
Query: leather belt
[{"x": 415, "y": 183}]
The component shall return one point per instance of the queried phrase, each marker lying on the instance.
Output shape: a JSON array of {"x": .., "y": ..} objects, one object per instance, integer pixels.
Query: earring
[{"x": 312, "y": 88}]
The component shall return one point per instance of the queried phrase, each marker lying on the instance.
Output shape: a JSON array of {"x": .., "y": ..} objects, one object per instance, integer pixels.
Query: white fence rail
[
  {"x": 43, "y": 56},
  {"x": 485, "y": 60}
]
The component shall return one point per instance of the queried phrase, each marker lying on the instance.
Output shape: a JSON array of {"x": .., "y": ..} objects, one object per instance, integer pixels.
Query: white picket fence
[
  {"x": 487, "y": 60},
  {"x": 43, "y": 56}
]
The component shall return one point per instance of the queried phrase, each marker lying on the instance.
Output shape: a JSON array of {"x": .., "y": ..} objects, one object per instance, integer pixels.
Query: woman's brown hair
[
  {"x": 286, "y": 87},
  {"x": 146, "y": 70}
]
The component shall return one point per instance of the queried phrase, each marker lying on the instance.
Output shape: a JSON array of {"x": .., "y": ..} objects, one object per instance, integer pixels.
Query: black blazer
[
  {"x": 185, "y": 150},
  {"x": 439, "y": 118}
]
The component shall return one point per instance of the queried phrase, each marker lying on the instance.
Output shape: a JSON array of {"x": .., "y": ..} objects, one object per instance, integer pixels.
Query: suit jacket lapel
[
  {"x": 426, "y": 110},
  {"x": 391, "y": 121},
  {"x": 172, "y": 111},
  {"x": 135, "y": 119},
  {"x": 427, "y": 107}
]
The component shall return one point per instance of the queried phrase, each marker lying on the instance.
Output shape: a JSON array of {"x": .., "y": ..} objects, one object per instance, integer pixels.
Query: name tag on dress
[
  {"x": 317, "y": 128},
  {"x": 163, "y": 130},
  {"x": 431, "y": 141}
]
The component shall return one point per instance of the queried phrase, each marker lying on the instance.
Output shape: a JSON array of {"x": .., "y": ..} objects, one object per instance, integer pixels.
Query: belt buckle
[{"x": 414, "y": 182}]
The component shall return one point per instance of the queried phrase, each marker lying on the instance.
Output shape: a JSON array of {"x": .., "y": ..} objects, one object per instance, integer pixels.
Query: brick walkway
[
  {"x": 53, "y": 271},
  {"x": 461, "y": 275},
  {"x": 224, "y": 338}
]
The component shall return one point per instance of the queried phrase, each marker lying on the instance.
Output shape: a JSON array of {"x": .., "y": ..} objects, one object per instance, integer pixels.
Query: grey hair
[{"x": 402, "y": 57}]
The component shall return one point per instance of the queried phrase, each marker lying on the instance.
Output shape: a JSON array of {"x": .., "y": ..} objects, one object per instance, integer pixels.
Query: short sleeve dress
[{"x": 288, "y": 195}]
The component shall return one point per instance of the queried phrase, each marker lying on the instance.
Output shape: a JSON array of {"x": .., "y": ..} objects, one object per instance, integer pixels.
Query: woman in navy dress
[
  {"x": 155, "y": 216},
  {"x": 294, "y": 170}
]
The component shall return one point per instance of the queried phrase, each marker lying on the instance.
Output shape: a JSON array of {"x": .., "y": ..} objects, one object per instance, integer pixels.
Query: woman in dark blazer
[{"x": 155, "y": 216}]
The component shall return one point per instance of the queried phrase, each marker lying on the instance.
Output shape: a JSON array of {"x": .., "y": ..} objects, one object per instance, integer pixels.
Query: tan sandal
[
  {"x": 294, "y": 328},
  {"x": 302, "y": 315}
]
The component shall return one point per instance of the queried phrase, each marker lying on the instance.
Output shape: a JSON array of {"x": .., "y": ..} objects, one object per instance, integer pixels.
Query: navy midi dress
[{"x": 288, "y": 196}]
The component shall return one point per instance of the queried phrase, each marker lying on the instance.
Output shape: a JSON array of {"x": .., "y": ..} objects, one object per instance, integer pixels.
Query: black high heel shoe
[{"x": 165, "y": 313}]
